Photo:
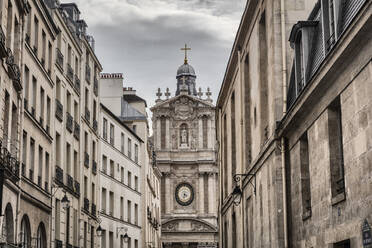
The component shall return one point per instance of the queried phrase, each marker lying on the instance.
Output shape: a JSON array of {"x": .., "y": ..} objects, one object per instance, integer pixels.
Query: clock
[{"x": 184, "y": 194}]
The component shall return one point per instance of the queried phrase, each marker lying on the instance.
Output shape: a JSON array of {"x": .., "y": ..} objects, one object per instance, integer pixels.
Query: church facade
[{"x": 184, "y": 140}]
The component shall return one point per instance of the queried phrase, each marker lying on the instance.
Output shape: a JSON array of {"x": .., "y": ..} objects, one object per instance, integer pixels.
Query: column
[
  {"x": 211, "y": 188},
  {"x": 200, "y": 122},
  {"x": 158, "y": 140},
  {"x": 167, "y": 193},
  {"x": 167, "y": 135},
  {"x": 211, "y": 124},
  {"x": 201, "y": 192}
]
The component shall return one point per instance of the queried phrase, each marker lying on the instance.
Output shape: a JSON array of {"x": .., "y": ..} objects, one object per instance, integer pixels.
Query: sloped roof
[{"x": 130, "y": 113}]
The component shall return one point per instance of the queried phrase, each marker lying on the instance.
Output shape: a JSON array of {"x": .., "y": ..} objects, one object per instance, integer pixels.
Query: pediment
[
  {"x": 187, "y": 225},
  {"x": 180, "y": 99}
]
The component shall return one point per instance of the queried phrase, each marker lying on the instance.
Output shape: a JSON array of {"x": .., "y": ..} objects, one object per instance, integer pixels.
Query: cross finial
[
  {"x": 186, "y": 49},
  {"x": 200, "y": 93},
  {"x": 209, "y": 93},
  {"x": 159, "y": 94},
  {"x": 167, "y": 93}
]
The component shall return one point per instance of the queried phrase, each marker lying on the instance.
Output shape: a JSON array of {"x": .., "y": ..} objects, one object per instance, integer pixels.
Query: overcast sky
[{"x": 142, "y": 39}]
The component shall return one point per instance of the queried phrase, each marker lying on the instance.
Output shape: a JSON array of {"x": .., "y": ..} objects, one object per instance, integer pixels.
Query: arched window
[
  {"x": 8, "y": 227},
  {"x": 184, "y": 135},
  {"x": 25, "y": 232},
  {"x": 41, "y": 236}
]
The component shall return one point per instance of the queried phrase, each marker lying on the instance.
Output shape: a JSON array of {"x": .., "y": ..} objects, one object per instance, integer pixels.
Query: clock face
[{"x": 184, "y": 194}]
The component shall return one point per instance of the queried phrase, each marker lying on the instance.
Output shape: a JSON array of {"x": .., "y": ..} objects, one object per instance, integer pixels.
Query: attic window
[
  {"x": 299, "y": 58},
  {"x": 329, "y": 13}
]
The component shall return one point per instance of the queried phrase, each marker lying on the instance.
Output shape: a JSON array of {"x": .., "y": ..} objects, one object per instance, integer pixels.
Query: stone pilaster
[
  {"x": 201, "y": 192},
  {"x": 167, "y": 134}
]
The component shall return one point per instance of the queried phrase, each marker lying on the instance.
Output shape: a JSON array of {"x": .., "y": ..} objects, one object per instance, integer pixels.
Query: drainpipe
[{"x": 284, "y": 85}]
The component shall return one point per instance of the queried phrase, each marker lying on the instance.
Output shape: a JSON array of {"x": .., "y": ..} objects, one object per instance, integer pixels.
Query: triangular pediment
[{"x": 180, "y": 99}]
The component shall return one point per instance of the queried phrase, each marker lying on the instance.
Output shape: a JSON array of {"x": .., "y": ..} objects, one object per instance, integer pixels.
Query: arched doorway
[
  {"x": 25, "y": 232},
  {"x": 41, "y": 236},
  {"x": 8, "y": 227}
]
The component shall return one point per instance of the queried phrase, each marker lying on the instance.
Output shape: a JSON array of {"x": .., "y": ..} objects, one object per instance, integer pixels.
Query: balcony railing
[
  {"x": 9, "y": 163},
  {"x": 77, "y": 84},
  {"x": 59, "y": 175},
  {"x": 70, "y": 73},
  {"x": 59, "y": 110},
  {"x": 76, "y": 130},
  {"x": 69, "y": 122},
  {"x": 77, "y": 187},
  {"x": 94, "y": 209},
  {"x": 86, "y": 204},
  {"x": 59, "y": 59},
  {"x": 70, "y": 182},
  {"x": 87, "y": 114},
  {"x": 94, "y": 167},
  {"x": 13, "y": 71},
  {"x": 58, "y": 243},
  {"x": 95, "y": 86},
  {"x": 95, "y": 125},
  {"x": 87, "y": 73},
  {"x": 3, "y": 50},
  {"x": 86, "y": 159}
]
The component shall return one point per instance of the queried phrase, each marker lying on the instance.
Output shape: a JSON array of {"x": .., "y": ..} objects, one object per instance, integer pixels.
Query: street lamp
[
  {"x": 99, "y": 231},
  {"x": 237, "y": 192},
  {"x": 65, "y": 202},
  {"x": 126, "y": 238}
]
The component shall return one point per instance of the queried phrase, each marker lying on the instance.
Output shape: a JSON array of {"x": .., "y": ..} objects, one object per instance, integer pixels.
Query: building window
[
  {"x": 336, "y": 149},
  {"x": 57, "y": 218},
  {"x": 233, "y": 136},
  {"x": 26, "y": 232},
  {"x": 112, "y": 168},
  {"x": 225, "y": 177},
  {"x": 104, "y": 129},
  {"x": 122, "y": 143},
  {"x": 32, "y": 159},
  {"x": 104, "y": 164},
  {"x": 40, "y": 169},
  {"x": 112, "y": 134},
  {"x": 247, "y": 112},
  {"x": 129, "y": 216},
  {"x": 329, "y": 25},
  {"x": 122, "y": 174},
  {"x": 41, "y": 236},
  {"x": 136, "y": 214},
  {"x": 129, "y": 179},
  {"x": 111, "y": 239},
  {"x": 299, "y": 63},
  {"x": 111, "y": 203},
  {"x": 103, "y": 201},
  {"x": 121, "y": 207},
  {"x": 342, "y": 244},
  {"x": 134, "y": 128},
  {"x": 136, "y": 183},
  {"x": 103, "y": 239},
  {"x": 130, "y": 148},
  {"x": 136, "y": 153},
  {"x": 305, "y": 177}
]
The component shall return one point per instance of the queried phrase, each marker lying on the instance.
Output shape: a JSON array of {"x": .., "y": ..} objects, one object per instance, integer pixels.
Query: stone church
[{"x": 185, "y": 147}]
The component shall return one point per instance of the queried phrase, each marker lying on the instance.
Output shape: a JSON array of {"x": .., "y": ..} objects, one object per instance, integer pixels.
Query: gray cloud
[{"x": 142, "y": 39}]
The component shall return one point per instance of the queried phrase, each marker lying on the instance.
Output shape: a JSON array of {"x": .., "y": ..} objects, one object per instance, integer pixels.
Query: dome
[{"x": 185, "y": 70}]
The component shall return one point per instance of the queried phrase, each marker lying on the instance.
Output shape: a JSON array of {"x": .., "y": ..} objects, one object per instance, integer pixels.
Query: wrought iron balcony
[
  {"x": 69, "y": 122},
  {"x": 70, "y": 182},
  {"x": 59, "y": 175},
  {"x": 95, "y": 125},
  {"x": 9, "y": 163},
  {"x": 87, "y": 73},
  {"x": 86, "y": 204},
  {"x": 59, "y": 59},
  {"x": 95, "y": 86},
  {"x": 87, "y": 114},
  {"x": 3, "y": 50},
  {"x": 94, "y": 167},
  {"x": 94, "y": 209},
  {"x": 70, "y": 73},
  {"x": 76, "y": 130},
  {"x": 77, "y": 84},
  {"x": 59, "y": 110},
  {"x": 86, "y": 159},
  {"x": 13, "y": 71},
  {"x": 58, "y": 243},
  {"x": 77, "y": 187}
]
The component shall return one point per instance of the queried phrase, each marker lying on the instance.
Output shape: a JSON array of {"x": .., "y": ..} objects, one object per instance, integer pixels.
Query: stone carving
[
  {"x": 172, "y": 226},
  {"x": 200, "y": 227}
]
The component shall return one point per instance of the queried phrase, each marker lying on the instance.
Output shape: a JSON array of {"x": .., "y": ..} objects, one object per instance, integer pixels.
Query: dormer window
[
  {"x": 329, "y": 8},
  {"x": 299, "y": 59}
]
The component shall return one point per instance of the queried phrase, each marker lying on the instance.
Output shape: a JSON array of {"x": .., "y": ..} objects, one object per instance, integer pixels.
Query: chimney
[{"x": 129, "y": 91}]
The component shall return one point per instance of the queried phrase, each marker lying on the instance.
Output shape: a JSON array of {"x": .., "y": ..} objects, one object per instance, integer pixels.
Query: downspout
[
  {"x": 242, "y": 164},
  {"x": 284, "y": 85}
]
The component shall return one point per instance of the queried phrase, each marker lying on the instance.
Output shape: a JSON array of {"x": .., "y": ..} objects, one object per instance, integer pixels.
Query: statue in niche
[{"x": 184, "y": 136}]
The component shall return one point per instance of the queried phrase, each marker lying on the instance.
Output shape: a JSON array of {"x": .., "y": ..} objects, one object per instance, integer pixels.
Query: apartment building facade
[
  {"x": 48, "y": 50},
  {"x": 250, "y": 104},
  {"x": 294, "y": 163},
  {"x": 120, "y": 176},
  {"x": 327, "y": 127}
]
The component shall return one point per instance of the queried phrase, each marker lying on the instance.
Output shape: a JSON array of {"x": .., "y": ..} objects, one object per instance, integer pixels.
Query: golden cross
[{"x": 186, "y": 49}]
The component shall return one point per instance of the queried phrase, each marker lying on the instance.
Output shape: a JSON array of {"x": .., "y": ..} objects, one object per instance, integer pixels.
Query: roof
[
  {"x": 130, "y": 113},
  {"x": 134, "y": 98},
  {"x": 116, "y": 118}
]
